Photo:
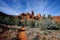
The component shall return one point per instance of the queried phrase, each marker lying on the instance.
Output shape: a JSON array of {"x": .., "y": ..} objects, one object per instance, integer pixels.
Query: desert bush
[
  {"x": 58, "y": 24},
  {"x": 31, "y": 23},
  {"x": 24, "y": 22},
  {"x": 46, "y": 23},
  {"x": 17, "y": 21},
  {"x": 41, "y": 24}
]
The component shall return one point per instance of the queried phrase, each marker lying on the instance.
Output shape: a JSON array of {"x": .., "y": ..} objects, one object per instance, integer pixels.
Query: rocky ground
[
  {"x": 32, "y": 34},
  {"x": 49, "y": 34}
]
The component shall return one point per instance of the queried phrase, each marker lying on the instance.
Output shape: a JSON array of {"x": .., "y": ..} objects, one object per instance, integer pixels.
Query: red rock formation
[
  {"x": 32, "y": 14},
  {"x": 38, "y": 16},
  {"x": 56, "y": 18},
  {"x": 29, "y": 16}
]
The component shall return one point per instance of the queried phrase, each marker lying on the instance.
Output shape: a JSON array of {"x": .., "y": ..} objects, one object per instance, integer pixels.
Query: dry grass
[{"x": 31, "y": 34}]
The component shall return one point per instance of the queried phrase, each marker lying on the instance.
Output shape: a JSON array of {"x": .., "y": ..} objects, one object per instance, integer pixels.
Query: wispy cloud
[
  {"x": 38, "y": 6},
  {"x": 7, "y": 9}
]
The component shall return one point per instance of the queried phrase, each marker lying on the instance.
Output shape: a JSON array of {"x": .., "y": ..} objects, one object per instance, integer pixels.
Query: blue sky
[{"x": 15, "y": 7}]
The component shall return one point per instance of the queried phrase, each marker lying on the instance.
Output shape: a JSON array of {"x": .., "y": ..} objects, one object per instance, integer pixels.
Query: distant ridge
[{"x": 6, "y": 15}]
